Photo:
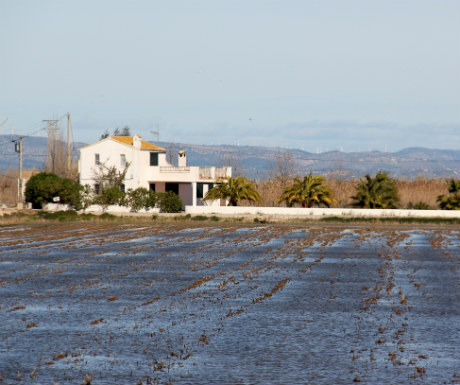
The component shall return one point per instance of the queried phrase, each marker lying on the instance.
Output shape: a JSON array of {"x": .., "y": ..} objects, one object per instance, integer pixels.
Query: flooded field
[{"x": 229, "y": 304}]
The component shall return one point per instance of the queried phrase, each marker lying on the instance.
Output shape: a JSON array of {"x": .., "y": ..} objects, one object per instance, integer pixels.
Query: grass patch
[
  {"x": 107, "y": 216},
  {"x": 257, "y": 220},
  {"x": 200, "y": 218},
  {"x": 62, "y": 216}
]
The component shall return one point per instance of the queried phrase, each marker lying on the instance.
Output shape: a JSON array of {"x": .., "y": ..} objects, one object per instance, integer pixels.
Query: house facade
[{"x": 147, "y": 167}]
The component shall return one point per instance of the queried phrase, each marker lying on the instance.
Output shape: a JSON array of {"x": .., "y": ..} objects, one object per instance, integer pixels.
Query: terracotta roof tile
[{"x": 144, "y": 145}]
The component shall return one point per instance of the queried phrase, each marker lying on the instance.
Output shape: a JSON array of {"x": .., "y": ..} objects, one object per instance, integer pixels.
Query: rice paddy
[{"x": 201, "y": 303}]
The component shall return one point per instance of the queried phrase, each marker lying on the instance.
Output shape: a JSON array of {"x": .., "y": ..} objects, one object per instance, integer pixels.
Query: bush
[
  {"x": 200, "y": 218},
  {"x": 62, "y": 216},
  {"x": 107, "y": 216},
  {"x": 44, "y": 187},
  {"x": 110, "y": 196},
  {"x": 170, "y": 202},
  {"x": 418, "y": 206},
  {"x": 141, "y": 198}
]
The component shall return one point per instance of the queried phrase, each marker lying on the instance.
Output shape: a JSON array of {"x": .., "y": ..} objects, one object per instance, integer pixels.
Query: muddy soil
[{"x": 230, "y": 304}]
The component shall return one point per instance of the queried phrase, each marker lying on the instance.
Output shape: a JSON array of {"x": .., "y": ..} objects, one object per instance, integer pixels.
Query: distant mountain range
[{"x": 256, "y": 162}]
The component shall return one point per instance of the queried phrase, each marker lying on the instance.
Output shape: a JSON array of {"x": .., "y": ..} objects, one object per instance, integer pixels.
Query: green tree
[
  {"x": 71, "y": 193},
  {"x": 45, "y": 187},
  {"x": 379, "y": 192},
  {"x": 309, "y": 192},
  {"x": 105, "y": 135},
  {"x": 235, "y": 190},
  {"x": 125, "y": 131},
  {"x": 452, "y": 201}
]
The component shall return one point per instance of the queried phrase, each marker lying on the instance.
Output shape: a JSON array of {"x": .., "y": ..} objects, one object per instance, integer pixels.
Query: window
[
  {"x": 97, "y": 188},
  {"x": 199, "y": 190},
  {"x": 123, "y": 160},
  {"x": 96, "y": 159},
  {"x": 152, "y": 187},
  {"x": 154, "y": 159},
  {"x": 122, "y": 187}
]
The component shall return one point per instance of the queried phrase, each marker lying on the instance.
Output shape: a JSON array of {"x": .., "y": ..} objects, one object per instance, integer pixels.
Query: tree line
[{"x": 373, "y": 192}]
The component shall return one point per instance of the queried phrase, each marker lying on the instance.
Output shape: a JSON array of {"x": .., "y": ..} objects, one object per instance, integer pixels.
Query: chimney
[
  {"x": 137, "y": 141},
  {"x": 182, "y": 162}
]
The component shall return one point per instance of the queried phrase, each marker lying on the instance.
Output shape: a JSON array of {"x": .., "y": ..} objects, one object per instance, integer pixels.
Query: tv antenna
[{"x": 157, "y": 132}]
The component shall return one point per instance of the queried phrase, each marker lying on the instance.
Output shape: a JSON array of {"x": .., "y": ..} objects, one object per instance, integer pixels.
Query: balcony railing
[
  {"x": 213, "y": 173},
  {"x": 221, "y": 173},
  {"x": 174, "y": 169},
  {"x": 206, "y": 173}
]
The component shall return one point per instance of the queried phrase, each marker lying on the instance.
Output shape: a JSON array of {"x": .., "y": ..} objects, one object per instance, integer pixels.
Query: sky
[{"x": 352, "y": 75}]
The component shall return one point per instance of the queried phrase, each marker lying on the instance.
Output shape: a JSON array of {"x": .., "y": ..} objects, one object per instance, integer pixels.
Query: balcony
[
  {"x": 174, "y": 169},
  {"x": 222, "y": 172},
  {"x": 214, "y": 173}
]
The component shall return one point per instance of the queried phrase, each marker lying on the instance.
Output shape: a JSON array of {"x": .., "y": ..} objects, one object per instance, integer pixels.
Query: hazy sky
[{"x": 329, "y": 74}]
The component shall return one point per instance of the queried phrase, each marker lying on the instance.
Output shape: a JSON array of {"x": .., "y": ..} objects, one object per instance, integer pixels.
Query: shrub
[
  {"x": 200, "y": 218},
  {"x": 107, "y": 216},
  {"x": 141, "y": 198},
  {"x": 110, "y": 196},
  {"x": 418, "y": 206},
  {"x": 170, "y": 202}
]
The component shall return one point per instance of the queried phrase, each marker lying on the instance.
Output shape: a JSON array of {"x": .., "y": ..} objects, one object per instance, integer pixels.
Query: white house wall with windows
[{"x": 147, "y": 167}]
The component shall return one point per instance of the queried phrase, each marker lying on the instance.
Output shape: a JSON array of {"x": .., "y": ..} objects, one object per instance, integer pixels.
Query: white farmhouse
[{"x": 148, "y": 168}]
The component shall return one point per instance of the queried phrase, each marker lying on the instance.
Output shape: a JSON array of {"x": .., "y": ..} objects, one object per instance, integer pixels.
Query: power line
[{"x": 7, "y": 176}]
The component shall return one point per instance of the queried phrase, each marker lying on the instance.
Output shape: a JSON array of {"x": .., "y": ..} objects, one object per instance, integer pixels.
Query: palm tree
[
  {"x": 235, "y": 190},
  {"x": 376, "y": 193},
  {"x": 308, "y": 192},
  {"x": 450, "y": 202}
]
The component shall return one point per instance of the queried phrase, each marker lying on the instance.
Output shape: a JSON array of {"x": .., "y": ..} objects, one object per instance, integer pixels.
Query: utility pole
[
  {"x": 69, "y": 153},
  {"x": 52, "y": 130},
  {"x": 18, "y": 149}
]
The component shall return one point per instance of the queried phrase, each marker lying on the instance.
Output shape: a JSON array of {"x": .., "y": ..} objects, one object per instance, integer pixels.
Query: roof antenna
[{"x": 157, "y": 132}]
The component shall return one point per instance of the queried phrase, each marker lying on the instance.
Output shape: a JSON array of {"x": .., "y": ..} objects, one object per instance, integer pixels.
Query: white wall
[
  {"x": 99, "y": 209},
  {"x": 318, "y": 212},
  {"x": 109, "y": 153}
]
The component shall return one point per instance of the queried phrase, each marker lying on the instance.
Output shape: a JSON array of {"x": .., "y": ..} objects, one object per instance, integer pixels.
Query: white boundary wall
[
  {"x": 320, "y": 212},
  {"x": 99, "y": 209}
]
